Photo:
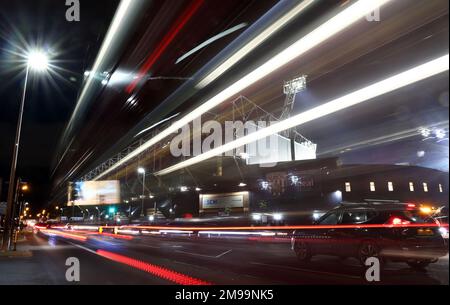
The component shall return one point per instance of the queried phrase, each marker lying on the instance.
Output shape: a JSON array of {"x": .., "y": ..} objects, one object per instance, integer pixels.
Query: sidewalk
[
  {"x": 19, "y": 267},
  {"x": 21, "y": 240}
]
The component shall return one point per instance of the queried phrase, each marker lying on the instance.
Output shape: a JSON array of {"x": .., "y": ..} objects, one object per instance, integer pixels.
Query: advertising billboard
[
  {"x": 103, "y": 192},
  {"x": 215, "y": 202}
]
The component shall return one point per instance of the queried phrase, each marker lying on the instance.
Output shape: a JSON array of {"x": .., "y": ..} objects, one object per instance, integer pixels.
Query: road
[{"x": 160, "y": 259}]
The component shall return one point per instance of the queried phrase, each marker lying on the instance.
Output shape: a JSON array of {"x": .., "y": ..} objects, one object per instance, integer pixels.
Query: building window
[
  {"x": 390, "y": 186},
  {"x": 372, "y": 186},
  {"x": 348, "y": 187},
  {"x": 441, "y": 190},
  {"x": 411, "y": 187},
  {"x": 425, "y": 187}
]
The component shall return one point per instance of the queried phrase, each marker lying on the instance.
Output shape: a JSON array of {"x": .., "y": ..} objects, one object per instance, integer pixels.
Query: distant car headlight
[
  {"x": 277, "y": 217},
  {"x": 444, "y": 232},
  {"x": 256, "y": 216}
]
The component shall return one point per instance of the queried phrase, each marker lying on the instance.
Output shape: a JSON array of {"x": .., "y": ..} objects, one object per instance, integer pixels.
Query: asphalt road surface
[{"x": 164, "y": 259}]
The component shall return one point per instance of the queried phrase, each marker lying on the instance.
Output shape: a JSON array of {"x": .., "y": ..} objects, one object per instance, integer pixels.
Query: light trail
[
  {"x": 211, "y": 40},
  {"x": 295, "y": 227},
  {"x": 365, "y": 94},
  {"x": 254, "y": 43},
  {"x": 328, "y": 29},
  {"x": 64, "y": 234},
  {"x": 170, "y": 36},
  {"x": 158, "y": 271}
]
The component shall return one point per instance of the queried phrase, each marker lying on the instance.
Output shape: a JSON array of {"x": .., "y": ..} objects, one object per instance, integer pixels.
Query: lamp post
[
  {"x": 141, "y": 170},
  {"x": 36, "y": 61}
]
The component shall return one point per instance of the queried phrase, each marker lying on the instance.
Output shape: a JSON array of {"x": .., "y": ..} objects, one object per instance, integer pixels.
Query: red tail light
[
  {"x": 396, "y": 221},
  {"x": 411, "y": 205}
]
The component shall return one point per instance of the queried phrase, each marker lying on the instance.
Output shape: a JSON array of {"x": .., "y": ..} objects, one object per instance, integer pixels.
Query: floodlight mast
[
  {"x": 290, "y": 89},
  {"x": 294, "y": 86}
]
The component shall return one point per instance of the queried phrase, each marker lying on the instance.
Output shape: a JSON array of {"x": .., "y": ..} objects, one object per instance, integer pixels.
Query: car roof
[{"x": 398, "y": 206}]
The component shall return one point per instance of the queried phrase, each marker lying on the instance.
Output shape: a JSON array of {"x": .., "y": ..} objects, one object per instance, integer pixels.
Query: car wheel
[
  {"x": 302, "y": 251},
  {"x": 366, "y": 250},
  {"x": 418, "y": 265}
]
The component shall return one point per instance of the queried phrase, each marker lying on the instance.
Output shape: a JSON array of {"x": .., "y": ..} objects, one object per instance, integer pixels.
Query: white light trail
[
  {"x": 119, "y": 19},
  {"x": 254, "y": 43},
  {"x": 211, "y": 40},
  {"x": 326, "y": 30},
  {"x": 387, "y": 85},
  {"x": 156, "y": 124}
]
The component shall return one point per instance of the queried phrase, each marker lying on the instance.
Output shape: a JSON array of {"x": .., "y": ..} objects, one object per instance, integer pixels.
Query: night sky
[
  {"x": 73, "y": 46},
  {"x": 50, "y": 97}
]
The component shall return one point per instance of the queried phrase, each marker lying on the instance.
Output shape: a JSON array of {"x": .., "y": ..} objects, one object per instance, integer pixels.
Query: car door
[
  {"x": 326, "y": 236},
  {"x": 347, "y": 241}
]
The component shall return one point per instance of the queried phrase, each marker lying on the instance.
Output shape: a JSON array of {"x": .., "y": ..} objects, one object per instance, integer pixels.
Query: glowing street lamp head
[
  {"x": 38, "y": 61},
  {"x": 141, "y": 170}
]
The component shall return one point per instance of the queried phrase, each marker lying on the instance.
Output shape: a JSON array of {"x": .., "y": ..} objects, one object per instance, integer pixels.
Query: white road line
[
  {"x": 204, "y": 255},
  {"x": 194, "y": 254},
  {"x": 308, "y": 270},
  {"x": 150, "y": 246},
  {"x": 84, "y": 248},
  {"x": 224, "y": 253}
]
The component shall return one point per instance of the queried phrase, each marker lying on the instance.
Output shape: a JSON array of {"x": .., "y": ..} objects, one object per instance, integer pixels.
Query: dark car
[{"x": 397, "y": 240}]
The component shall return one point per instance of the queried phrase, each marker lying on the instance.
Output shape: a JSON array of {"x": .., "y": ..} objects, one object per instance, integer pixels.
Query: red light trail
[
  {"x": 301, "y": 227},
  {"x": 120, "y": 236},
  {"x": 161, "y": 272},
  {"x": 170, "y": 36},
  {"x": 65, "y": 235}
]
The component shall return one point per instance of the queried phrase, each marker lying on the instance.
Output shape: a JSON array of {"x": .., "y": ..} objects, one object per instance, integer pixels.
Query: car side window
[
  {"x": 330, "y": 219},
  {"x": 355, "y": 217}
]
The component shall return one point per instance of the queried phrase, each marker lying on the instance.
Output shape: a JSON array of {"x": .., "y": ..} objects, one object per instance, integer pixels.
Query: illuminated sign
[
  {"x": 224, "y": 201},
  {"x": 94, "y": 192}
]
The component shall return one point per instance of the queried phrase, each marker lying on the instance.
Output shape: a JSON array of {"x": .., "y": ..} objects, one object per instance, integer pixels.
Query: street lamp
[
  {"x": 36, "y": 61},
  {"x": 141, "y": 170}
]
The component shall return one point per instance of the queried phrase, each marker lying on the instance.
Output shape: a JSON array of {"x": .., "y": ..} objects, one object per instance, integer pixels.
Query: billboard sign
[
  {"x": 103, "y": 192},
  {"x": 222, "y": 201}
]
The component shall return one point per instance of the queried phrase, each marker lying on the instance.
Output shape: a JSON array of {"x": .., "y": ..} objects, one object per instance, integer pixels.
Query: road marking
[
  {"x": 204, "y": 255},
  {"x": 308, "y": 270},
  {"x": 84, "y": 248},
  {"x": 224, "y": 253},
  {"x": 150, "y": 246}
]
